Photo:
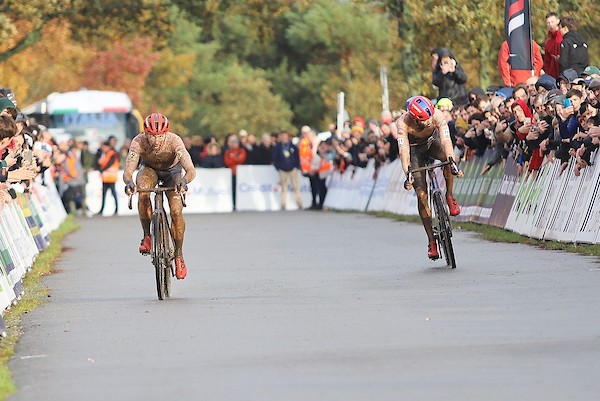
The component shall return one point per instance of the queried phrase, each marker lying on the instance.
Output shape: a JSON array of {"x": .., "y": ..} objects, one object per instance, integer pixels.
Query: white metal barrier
[{"x": 25, "y": 225}]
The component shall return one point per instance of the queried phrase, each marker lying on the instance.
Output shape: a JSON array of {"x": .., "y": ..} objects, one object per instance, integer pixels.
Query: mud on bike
[{"x": 162, "y": 253}]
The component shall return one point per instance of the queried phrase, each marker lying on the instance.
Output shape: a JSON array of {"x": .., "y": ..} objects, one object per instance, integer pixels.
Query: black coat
[
  {"x": 573, "y": 53},
  {"x": 451, "y": 85}
]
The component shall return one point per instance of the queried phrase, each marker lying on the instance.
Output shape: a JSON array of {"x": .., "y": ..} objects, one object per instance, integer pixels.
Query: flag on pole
[{"x": 517, "y": 20}]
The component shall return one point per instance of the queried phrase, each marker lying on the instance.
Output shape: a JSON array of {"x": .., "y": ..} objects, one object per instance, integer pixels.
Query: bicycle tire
[
  {"x": 167, "y": 256},
  {"x": 445, "y": 229},
  {"x": 158, "y": 254}
]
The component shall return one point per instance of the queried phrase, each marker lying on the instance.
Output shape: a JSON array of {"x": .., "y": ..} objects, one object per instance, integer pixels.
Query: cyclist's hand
[
  {"x": 454, "y": 170},
  {"x": 130, "y": 188},
  {"x": 408, "y": 183},
  {"x": 182, "y": 186}
]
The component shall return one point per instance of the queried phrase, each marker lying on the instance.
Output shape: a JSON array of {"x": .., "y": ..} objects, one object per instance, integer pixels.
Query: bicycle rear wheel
[
  {"x": 445, "y": 228},
  {"x": 158, "y": 254}
]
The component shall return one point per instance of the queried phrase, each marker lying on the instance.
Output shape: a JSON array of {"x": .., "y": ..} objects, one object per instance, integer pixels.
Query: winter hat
[
  {"x": 568, "y": 75},
  {"x": 546, "y": 81},
  {"x": 444, "y": 102},
  {"x": 551, "y": 95},
  {"x": 595, "y": 84}
]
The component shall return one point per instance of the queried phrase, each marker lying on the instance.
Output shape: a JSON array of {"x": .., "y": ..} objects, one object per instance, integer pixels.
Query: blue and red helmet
[{"x": 420, "y": 107}]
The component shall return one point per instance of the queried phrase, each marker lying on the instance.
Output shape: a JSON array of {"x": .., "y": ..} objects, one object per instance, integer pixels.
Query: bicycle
[
  {"x": 163, "y": 255},
  {"x": 442, "y": 226}
]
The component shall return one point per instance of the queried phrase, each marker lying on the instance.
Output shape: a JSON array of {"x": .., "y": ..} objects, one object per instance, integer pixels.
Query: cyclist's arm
[
  {"x": 403, "y": 146},
  {"x": 183, "y": 156},
  {"x": 131, "y": 163},
  {"x": 444, "y": 133}
]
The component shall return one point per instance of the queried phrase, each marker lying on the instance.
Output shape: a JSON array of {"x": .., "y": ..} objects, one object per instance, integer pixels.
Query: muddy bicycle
[
  {"x": 442, "y": 226},
  {"x": 162, "y": 253}
]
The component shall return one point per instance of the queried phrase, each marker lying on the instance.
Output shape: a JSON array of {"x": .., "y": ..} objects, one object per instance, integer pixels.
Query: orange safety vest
[
  {"x": 306, "y": 154},
  {"x": 69, "y": 170},
  {"x": 109, "y": 173},
  {"x": 325, "y": 165}
]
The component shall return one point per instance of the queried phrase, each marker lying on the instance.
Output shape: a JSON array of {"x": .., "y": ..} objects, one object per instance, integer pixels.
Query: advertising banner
[
  {"x": 210, "y": 192},
  {"x": 506, "y": 194},
  {"x": 259, "y": 189}
]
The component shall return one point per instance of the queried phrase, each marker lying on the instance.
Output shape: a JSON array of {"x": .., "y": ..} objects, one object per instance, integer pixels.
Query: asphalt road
[{"x": 311, "y": 306}]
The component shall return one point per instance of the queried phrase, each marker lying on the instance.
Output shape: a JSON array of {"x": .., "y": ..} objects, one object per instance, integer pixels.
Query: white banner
[
  {"x": 377, "y": 202},
  {"x": 210, "y": 192},
  {"x": 259, "y": 189}
]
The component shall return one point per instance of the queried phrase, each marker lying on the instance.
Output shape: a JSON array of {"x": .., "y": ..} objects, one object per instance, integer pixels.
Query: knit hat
[
  {"x": 444, "y": 102},
  {"x": 546, "y": 81},
  {"x": 595, "y": 84}
]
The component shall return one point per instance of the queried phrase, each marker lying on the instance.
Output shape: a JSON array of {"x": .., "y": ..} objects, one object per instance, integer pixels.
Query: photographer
[{"x": 450, "y": 78}]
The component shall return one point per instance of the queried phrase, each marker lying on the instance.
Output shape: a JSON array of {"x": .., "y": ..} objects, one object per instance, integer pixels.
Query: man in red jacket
[
  {"x": 512, "y": 77},
  {"x": 552, "y": 46}
]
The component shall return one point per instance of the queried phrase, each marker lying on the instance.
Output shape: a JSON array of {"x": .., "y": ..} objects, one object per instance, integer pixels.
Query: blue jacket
[{"x": 286, "y": 156}]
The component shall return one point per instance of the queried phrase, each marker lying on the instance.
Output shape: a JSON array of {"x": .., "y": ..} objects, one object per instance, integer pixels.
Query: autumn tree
[{"x": 124, "y": 67}]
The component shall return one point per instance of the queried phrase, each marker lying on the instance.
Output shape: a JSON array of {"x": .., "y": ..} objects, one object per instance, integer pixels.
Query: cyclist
[
  {"x": 423, "y": 133},
  {"x": 162, "y": 157}
]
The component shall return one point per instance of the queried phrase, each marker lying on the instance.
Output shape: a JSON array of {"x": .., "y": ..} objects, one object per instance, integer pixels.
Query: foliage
[
  {"x": 284, "y": 61},
  {"x": 125, "y": 67}
]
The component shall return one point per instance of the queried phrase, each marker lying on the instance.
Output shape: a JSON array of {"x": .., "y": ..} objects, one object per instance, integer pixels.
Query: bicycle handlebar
[
  {"x": 431, "y": 166},
  {"x": 157, "y": 190}
]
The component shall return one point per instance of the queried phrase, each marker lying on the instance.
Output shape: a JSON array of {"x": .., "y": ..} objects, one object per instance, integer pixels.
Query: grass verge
[
  {"x": 35, "y": 294},
  {"x": 495, "y": 234}
]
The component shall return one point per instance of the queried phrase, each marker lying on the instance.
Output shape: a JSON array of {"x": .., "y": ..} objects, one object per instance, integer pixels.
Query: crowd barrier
[
  {"x": 547, "y": 205},
  {"x": 258, "y": 188},
  {"x": 25, "y": 227}
]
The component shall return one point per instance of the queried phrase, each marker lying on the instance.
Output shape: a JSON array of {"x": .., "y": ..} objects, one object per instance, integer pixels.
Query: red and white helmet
[
  {"x": 420, "y": 107},
  {"x": 156, "y": 124}
]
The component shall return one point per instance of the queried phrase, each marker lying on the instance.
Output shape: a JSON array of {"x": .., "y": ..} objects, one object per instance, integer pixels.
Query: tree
[
  {"x": 97, "y": 22},
  {"x": 124, "y": 67}
]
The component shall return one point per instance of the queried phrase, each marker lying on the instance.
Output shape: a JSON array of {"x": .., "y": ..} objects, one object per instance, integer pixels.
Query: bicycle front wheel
[
  {"x": 445, "y": 228},
  {"x": 167, "y": 256},
  {"x": 158, "y": 254}
]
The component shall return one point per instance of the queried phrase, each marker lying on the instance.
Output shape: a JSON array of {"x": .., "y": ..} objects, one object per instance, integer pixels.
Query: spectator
[
  {"x": 213, "y": 158},
  {"x": 108, "y": 165},
  {"x": 196, "y": 149},
  {"x": 263, "y": 152},
  {"x": 286, "y": 160},
  {"x": 71, "y": 177},
  {"x": 512, "y": 77},
  {"x": 10, "y": 170},
  {"x": 450, "y": 78},
  {"x": 552, "y": 45},
  {"x": 321, "y": 169},
  {"x": 306, "y": 152},
  {"x": 573, "y": 49},
  {"x": 247, "y": 142},
  {"x": 565, "y": 78},
  {"x": 234, "y": 156},
  {"x": 591, "y": 71}
]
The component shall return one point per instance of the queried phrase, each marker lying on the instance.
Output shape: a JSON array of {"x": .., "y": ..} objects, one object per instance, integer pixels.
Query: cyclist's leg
[
  {"x": 146, "y": 179},
  {"x": 171, "y": 179},
  {"x": 417, "y": 159},
  {"x": 438, "y": 152},
  {"x": 177, "y": 221}
]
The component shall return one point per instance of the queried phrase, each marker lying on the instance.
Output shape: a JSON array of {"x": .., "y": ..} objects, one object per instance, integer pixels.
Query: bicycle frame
[{"x": 163, "y": 253}]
